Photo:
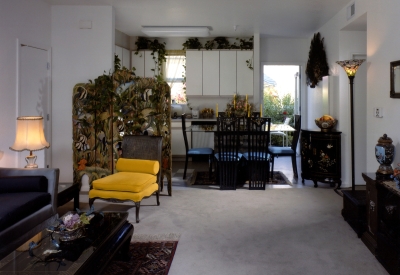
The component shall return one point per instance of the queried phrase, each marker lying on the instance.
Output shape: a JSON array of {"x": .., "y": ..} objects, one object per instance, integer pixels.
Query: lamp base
[{"x": 30, "y": 160}]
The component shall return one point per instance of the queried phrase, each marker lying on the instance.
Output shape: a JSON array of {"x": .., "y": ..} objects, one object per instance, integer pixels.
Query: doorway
[{"x": 281, "y": 95}]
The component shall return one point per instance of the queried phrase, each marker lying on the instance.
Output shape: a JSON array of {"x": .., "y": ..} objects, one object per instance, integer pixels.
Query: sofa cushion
[
  {"x": 125, "y": 181},
  {"x": 16, "y": 206},
  {"x": 138, "y": 166},
  {"x": 23, "y": 184}
]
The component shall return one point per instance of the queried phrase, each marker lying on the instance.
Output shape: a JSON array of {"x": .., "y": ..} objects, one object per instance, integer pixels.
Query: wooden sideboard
[
  {"x": 382, "y": 236},
  {"x": 321, "y": 157}
]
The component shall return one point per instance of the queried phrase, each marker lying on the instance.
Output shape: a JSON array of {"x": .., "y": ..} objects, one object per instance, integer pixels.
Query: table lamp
[{"x": 30, "y": 136}]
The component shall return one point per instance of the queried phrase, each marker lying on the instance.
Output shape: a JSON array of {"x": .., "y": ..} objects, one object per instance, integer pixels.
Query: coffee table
[{"x": 88, "y": 255}]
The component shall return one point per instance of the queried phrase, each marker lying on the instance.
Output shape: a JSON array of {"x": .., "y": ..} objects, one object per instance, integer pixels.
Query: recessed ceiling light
[{"x": 176, "y": 31}]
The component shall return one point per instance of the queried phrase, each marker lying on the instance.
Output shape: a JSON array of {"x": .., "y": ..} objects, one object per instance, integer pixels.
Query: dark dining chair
[
  {"x": 191, "y": 152},
  {"x": 277, "y": 151},
  {"x": 257, "y": 157},
  {"x": 227, "y": 157}
]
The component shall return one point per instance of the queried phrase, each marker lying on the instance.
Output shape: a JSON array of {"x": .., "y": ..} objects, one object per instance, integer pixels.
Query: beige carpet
[{"x": 276, "y": 231}]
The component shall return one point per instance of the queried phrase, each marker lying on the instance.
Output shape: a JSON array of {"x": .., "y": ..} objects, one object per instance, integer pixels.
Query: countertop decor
[{"x": 239, "y": 105}]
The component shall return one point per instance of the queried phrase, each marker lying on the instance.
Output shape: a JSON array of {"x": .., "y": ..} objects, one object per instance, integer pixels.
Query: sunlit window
[{"x": 174, "y": 75}]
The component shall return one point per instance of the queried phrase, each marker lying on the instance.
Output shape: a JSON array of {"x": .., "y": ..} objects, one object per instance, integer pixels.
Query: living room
[{"x": 77, "y": 56}]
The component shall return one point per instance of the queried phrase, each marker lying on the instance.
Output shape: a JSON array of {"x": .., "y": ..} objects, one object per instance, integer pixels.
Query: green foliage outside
[{"x": 278, "y": 108}]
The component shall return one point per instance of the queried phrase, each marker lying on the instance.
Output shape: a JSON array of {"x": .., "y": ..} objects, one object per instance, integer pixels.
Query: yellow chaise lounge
[{"x": 138, "y": 173}]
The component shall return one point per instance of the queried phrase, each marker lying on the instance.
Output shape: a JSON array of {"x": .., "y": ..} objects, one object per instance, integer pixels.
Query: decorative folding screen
[{"x": 112, "y": 106}]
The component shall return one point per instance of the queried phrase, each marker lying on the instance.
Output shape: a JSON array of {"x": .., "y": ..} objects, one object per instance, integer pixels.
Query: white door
[{"x": 34, "y": 95}]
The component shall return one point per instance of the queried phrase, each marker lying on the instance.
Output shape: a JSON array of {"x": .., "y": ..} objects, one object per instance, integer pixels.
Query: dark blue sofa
[{"x": 28, "y": 199}]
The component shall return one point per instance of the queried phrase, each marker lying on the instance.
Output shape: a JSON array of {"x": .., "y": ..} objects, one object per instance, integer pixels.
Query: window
[{"x": 174, "y": 72}]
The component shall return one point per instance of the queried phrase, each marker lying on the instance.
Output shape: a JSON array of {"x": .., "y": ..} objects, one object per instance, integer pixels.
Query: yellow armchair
[{"x": 138, "y": 173}]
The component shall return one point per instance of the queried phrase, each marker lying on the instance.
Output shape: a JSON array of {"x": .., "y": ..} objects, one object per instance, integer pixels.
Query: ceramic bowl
[{"x": 326, "y": 125}]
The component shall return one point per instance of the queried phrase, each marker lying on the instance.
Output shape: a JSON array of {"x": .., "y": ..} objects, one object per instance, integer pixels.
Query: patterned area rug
[
  {"x": 202, "y": 178},
  {"x": 151, "y": 258}
]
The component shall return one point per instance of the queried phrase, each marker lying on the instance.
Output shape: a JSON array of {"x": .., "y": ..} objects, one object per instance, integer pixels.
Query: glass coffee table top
[{"x": 69, "y": 257}]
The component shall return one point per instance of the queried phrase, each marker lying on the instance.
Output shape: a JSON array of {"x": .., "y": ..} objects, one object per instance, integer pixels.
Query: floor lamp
[{"x": 351, "y": 67}]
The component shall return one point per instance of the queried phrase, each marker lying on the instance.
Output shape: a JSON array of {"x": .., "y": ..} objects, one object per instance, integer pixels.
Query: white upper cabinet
[
  {"x": 124, "y": 56},
  {"x": 210, "y": 72},
  {"x": 144, "y": 63},
  {"x": 244, "y": 79},
  {"x": 218, "y": 72},
  {"x": 194, "y": 73},
  {"x": 227, "y": 72},
  {"x": 138, "y": 62}
]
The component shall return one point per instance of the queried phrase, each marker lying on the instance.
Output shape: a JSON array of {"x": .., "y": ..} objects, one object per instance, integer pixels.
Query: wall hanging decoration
[
  {"x": 317, "y": 66},
  {"x": 114, "y": 105}
]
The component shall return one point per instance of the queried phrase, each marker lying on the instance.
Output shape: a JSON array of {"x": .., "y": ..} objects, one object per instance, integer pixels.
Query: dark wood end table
[{"x": 67, "y": 192}]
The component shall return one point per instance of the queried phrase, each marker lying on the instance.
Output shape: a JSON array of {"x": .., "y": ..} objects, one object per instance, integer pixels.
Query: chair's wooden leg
[
  {"x": 294, "y": 166},
  {"x": 272, "y": 167},
  {"x": 158, "y": 197},
  {"x": 186, "y": 163},
  {"x": 137, "y": 204},
  {"x": 91, "y": 201},
  {"x": 209, "y": 166}
]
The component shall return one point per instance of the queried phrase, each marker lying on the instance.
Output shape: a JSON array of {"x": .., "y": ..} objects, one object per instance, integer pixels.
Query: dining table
[{"x": 212, "y": 128}]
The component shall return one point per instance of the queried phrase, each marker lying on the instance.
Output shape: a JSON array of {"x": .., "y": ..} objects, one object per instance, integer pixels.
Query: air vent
[{"x": 351, "y": 10}]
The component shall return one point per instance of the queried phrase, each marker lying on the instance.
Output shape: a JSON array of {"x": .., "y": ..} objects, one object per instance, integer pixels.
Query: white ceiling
[{"x": 271, "y": 18}]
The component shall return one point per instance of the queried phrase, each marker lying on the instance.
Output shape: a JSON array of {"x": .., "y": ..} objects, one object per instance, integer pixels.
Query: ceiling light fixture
[{"x": 176, "y": 31}]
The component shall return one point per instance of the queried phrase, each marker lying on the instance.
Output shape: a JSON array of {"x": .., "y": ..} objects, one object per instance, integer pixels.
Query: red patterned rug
[{"x": 151, "y": 258}]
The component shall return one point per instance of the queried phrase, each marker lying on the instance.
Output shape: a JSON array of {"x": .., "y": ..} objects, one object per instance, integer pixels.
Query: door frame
[
  {"x": 303, "y": 88},
  {"x": 47, "y": 118}
]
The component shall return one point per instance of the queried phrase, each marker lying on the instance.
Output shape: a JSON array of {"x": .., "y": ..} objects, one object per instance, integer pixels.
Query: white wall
[
  {"x": 78, "y": 55},
  {"x": 383, "y": 47},
  {"x": 340, "y": 44},
  {"x": 29, "y": 22}
]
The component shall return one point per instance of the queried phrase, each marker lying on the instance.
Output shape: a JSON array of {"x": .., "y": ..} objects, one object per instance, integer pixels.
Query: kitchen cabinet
[
  {"x": 321, "y": 157},
  {"x": 244, "y": 75},
  {"x": 218, "y": 73},
  {"x": 194, "y": 73},
  {"x": 211, "y": 73},
  {"x": 124, "y": 55},
  {"x": 227, "y": 72},
  {"x": 145, "y": 63}
]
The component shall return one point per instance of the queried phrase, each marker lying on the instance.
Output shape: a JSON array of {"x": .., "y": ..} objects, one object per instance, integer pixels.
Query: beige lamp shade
[{"x": 29, "y": 135}]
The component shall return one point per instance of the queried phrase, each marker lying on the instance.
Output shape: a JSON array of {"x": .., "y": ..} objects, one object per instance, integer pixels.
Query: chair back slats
[
  {"x": 143, "y": 147},
  {"x": 227, "y": 124},
  {"x": 258, "y": 123},
  {"x": 228, "y": 141},
  {"x": 227, "y": 158},
  {"x": 258, "y": 139},
  {"x": 296, "y": 134},
  {"x": 184, "y": 132}
]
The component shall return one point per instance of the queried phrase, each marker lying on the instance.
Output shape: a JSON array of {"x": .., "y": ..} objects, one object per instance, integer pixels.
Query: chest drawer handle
[{"x": 372, "y": 206}]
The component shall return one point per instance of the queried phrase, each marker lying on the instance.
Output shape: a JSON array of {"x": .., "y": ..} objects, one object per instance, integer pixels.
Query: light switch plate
[{"x": 378, "y": 112}]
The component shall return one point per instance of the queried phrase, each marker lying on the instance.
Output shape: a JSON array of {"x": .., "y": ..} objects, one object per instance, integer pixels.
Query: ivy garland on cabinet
[
  {"x": 114, "y": 105},
  {"x": 143, "y": 43},
  {"x": 219, "y": 43}
]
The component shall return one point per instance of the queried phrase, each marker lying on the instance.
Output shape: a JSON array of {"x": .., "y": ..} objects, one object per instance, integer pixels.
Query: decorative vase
[{"x": 384, "y": 153}]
